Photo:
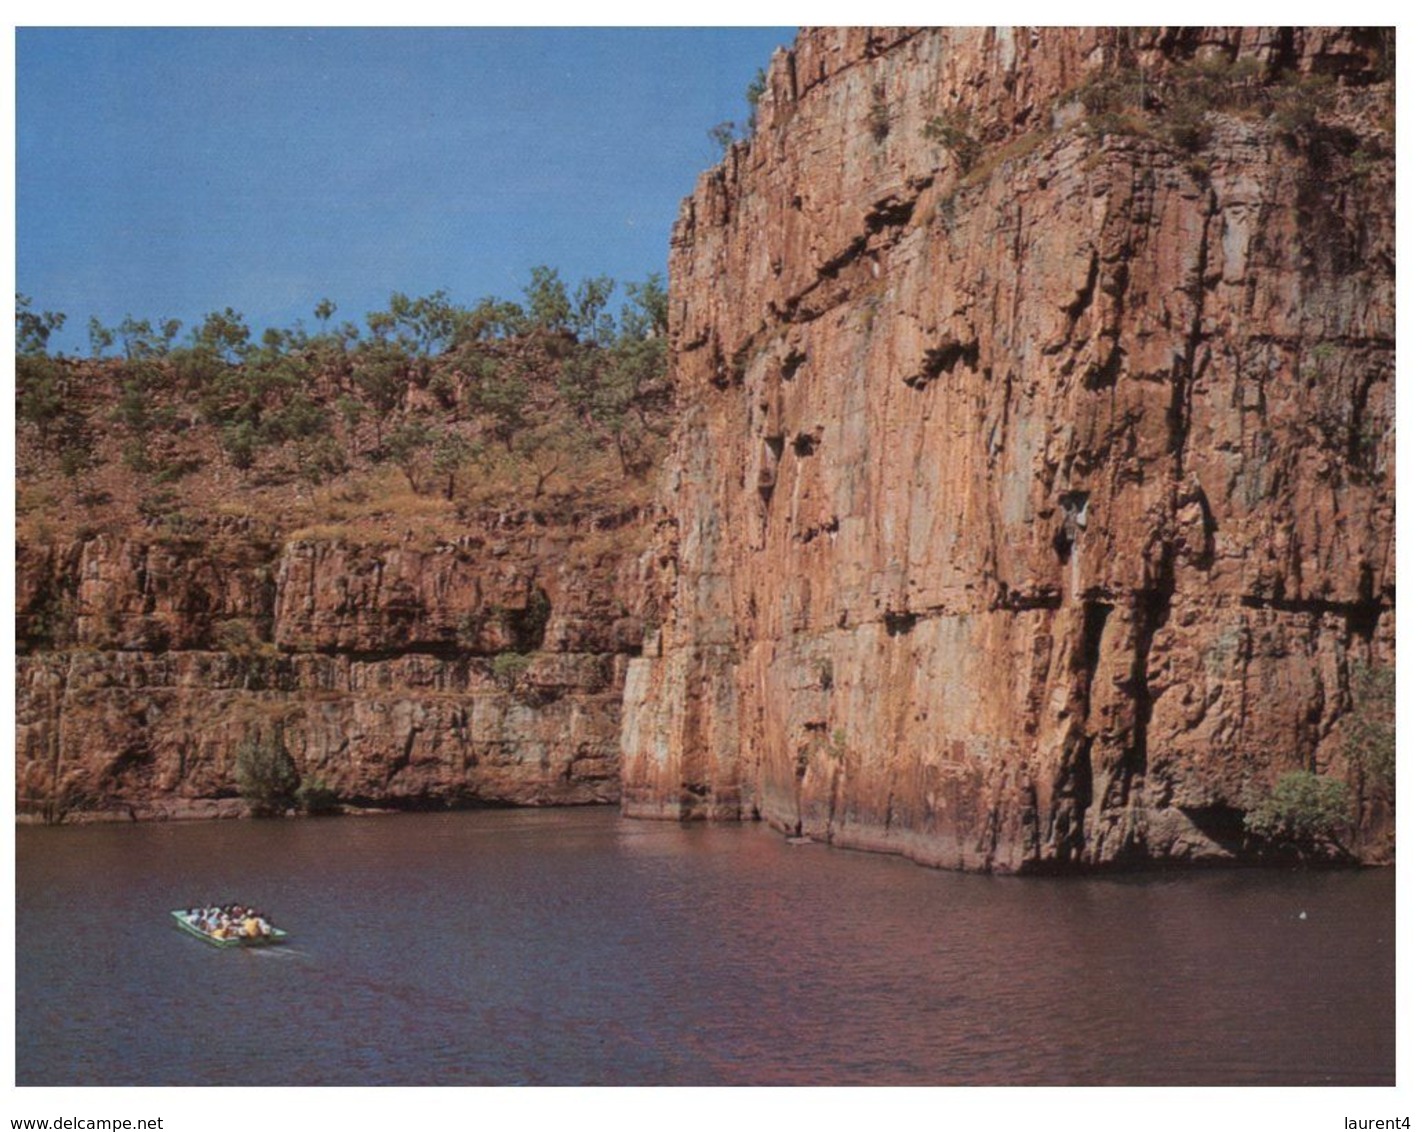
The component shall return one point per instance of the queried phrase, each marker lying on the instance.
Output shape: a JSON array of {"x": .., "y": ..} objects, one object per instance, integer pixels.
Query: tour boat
[{"x": 184, "y": 921}]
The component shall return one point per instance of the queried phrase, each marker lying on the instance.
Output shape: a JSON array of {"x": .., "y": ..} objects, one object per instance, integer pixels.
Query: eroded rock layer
[
  {"x": 1032, "y": 500},
  {"x": 488, "y": 671}
]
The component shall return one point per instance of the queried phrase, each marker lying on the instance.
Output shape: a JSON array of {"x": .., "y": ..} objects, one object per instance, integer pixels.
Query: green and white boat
[{"x": 187, "y": 922}]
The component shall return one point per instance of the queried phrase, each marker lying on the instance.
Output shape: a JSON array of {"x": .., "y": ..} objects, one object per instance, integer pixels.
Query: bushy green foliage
[
  {"x": 726, "y": 134},
  {"x": 40, "y": 391},
  {"x": 953, "y": 132},
  {"x": 880, "y": 118},
  {"x": 613, "y": 382},
  {"x": 1303, "y": 809},
  {"x": 33, "y": 329},
  {"x": 723, "y": 135},
  {"x": 225, "y": 334},
  {"x": 313, "y": 796},
  {"x": 569, "y": 376},
  {"x": 1174, "y": 104},
  {"x": 549, "y": 308},
  {"x": 507, "y": 668},
  {"x": 754, "y": 90},
  {"x": 451, "y": 453},
  {"x": 1370, "y": 731},
  {"x": 319, "y": 458},
  {"x": 500, "y": 395},
  {"x": 266, "y": 775},
  {"x": 409, "y": 446}
]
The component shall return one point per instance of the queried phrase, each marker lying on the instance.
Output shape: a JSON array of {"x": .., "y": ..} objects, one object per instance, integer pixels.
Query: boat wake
[{"x": 275, "y": 954}]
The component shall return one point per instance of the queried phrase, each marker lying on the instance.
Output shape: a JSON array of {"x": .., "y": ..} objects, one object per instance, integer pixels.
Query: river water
[{"x": 574, "y": 947}]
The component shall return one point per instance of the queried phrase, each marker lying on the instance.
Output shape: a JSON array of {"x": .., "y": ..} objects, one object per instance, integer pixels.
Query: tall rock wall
[{"x": 1032, "y": 499}]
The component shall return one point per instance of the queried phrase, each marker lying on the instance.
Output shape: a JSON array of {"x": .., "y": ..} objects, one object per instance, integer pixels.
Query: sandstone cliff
[
  {"x": 483, "y": 671},
  {"x": 1032, "y": 497},
  {"x": 400, "y": 569}
]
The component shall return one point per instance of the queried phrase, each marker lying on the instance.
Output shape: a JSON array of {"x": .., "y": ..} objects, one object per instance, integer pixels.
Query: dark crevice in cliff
[
  {"x": 885, "y": 223},
  {"x": 1094, "y": 626},
  {"x": 529, "y": 625},
  {"x": 1152, "y": 611},
  {"x": 769, "y": 468},
  {"x": 810, "y": 533},
  {"x": 833, "y": 266},
  {"x": 1220, "y": 823},
  {"x": 891, "y": 212},
  {"x": 1104, "y": 374},
  {"x": 1048, "y": 597},
  {"x": 805, "y": 443},
  {"x": 1087, "y": 292},
  {"x": 1071, "y": 797},
  {"x": 1073, "y": 522},
  {"x": 1360, "y": 617},
  {"x": 942, "y": 358},
  {"x": 1187, "y": 364},
  {"x": 899, "y": 621}
]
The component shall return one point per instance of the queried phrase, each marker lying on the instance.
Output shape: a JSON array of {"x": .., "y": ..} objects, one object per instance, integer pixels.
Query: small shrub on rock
[
  {"x": 507, "y": 667},
  {"x": 1304, "y": 810},
  {"x": 266, "y": 776},
  {"x": 313, "y": 796}
]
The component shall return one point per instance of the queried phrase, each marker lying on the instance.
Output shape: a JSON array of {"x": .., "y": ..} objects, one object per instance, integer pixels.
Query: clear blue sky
[{"x": 169, "y": 172}]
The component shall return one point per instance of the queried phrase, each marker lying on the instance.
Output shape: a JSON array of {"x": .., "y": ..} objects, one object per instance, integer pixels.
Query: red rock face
[
  {"x": 1033, "y": 501},
  {"x": 489, "y": 671}
]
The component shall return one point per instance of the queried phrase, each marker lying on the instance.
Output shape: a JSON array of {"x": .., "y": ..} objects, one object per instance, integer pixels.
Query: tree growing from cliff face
[
  {"x": 409, "y": 446},
  {"x": 1304, "y": 811},
  {"x": 380, "y": 372},
  {"x": 754, "y": 90},
  {"x": 722, "y": 135},
  {"x": 953, "y": 132},
  {"x": 500, "y": 394},
  {"x": 1370, "y": 732},
  {"x": 266, "y": 775},
  {"x": 452, "y": 452}
]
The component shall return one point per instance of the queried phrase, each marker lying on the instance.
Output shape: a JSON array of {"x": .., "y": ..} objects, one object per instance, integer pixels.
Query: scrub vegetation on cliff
[
  {"x": 397, "y": 430},
  {"x": 388, "y": 566},
  {"x": 1179, "y": 105}
]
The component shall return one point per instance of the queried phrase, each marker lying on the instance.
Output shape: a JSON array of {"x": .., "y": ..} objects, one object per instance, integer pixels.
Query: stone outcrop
[
  {"x": 484, "y": 671},
  {"x": 1032, "y": 500}
]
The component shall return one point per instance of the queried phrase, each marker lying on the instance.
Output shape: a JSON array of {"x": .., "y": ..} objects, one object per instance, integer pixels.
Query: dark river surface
[{"x": 574, "y": 947}]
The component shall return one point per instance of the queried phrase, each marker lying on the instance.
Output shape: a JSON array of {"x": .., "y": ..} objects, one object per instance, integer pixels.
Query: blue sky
[{"x": 169, "y": 172}]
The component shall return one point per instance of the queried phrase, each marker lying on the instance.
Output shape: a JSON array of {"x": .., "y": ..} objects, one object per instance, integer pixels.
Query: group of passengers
[{"x": 230, "y": 921}]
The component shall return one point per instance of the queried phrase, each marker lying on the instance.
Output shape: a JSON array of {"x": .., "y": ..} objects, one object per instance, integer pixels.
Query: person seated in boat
[{"x": 251, "y": 928}]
